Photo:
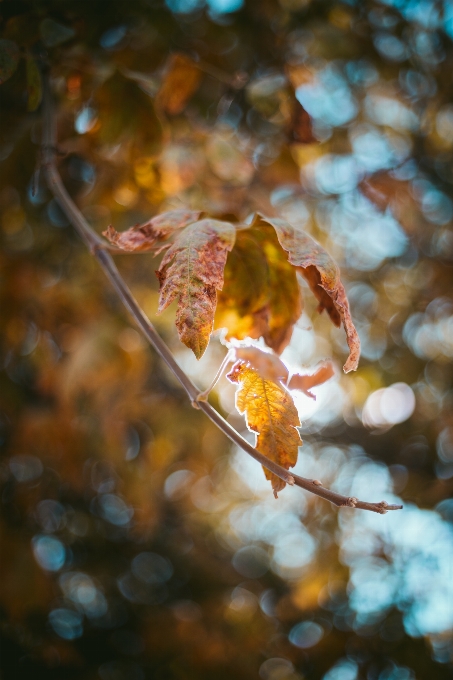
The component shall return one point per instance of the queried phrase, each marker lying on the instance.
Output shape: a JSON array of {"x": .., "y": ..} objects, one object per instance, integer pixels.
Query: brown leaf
[
  {"x": 143, "y": 237},
  {"x": 191, "y": 272},
  {"x": 271, "y": 414},
  {"x": 323, "y": 277},
  {"x": 181, "y": 80},
  {"x": 306, "y": 382},
  {"x": 300, "y": 127}
]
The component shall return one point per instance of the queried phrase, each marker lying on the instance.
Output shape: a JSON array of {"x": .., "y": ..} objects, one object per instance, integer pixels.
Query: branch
[{"x": 97, "y": 247}]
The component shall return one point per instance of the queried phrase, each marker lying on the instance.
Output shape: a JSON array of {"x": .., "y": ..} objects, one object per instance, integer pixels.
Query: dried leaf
[
  {"x": 306, "y": 382},
  {"x": 181, "y": 80},
  {"x": 9, "y": 58},
  {"x": 323, "y": 277},
  {"x": 191, "y": 272},
  {"x": 269, "y": 366},
  {"x": 34, "y": 85},
  {"x": 143, "y": 237},
  {"x": 271, "y": 414},
  {"x": 261, "y": 296}
]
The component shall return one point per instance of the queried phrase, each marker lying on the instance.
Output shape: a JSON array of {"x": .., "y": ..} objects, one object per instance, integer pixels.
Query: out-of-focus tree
[{"x": 136, "y": 542}]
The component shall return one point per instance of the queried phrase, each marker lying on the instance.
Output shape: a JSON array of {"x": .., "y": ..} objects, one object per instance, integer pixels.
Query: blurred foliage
[{"x": 135, "y": 543}]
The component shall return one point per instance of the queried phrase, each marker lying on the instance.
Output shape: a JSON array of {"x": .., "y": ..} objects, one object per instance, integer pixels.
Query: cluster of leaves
[
  {"x": 159, "y": 110},
  {"x": 254, "y": 267}
]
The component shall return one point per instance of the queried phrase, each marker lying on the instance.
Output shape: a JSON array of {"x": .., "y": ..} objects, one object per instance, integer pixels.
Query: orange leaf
[
  {"x": 323, "y": 277},
  {"x": 306, "y": 382},
  {"x": 142, "y": 237},
  {"x": 271, "y": 414},
  {"x": 181, "y": 80},
  {"x": 191, "y": 272}
]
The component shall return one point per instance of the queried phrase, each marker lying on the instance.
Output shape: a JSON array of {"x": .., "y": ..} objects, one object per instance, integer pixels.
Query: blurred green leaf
[
  {"x": 34, "y": 84},
  {"x": 9, "y": 59}
]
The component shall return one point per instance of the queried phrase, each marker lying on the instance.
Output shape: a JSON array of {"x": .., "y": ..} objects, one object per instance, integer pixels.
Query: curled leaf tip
[
  {"x": 145, "y": 237},
  {"x": 323, "y": 276}
]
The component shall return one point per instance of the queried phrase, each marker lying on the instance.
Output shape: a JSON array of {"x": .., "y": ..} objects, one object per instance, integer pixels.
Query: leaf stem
[
  {"x": 97, "y": 248},
  {"x": 229, "y": 356}
]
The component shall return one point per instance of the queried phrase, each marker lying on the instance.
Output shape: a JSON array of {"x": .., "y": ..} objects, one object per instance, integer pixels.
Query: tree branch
[{"x": 97, "y": 247}]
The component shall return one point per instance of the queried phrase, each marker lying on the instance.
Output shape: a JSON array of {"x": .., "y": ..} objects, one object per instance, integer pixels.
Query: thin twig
[{"x": 97, "y": 247}]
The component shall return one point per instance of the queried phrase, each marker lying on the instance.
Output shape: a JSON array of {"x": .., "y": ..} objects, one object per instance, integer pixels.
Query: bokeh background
[{"x": 136, "y": 542}]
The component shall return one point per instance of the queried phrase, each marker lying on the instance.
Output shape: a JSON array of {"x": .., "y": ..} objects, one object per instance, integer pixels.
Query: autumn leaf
[
  {"x": 267, "y": 364},
  {"x": 284, "y": 305},
  {"x": 261, "y": 296},
  {"x": 271, "y": 367},
  {"x": 306, "y": 382},
  {"x": 323, "y": 277},
  {"x": 241, "y": 307},
  {"x": 143, "y": 237},
  {"x": 181, "y": 80},
  {"x": 191, "y": 272},
  {"x": 271, "y": 414}
]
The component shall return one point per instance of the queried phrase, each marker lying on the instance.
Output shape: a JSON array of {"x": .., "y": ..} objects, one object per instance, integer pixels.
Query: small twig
[
  {"x": 97, "y": 248},
  {"x": 203, "y": 396}
]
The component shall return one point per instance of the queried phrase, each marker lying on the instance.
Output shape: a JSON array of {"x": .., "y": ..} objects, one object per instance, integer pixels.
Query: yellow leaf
[
  {"x": 323, "y": 277},
  {"x": 242, "y": 303},
  {"x": 143, "y": 237},
  {"x": 269, "y": 366},
  {"x": 271, "y": 414},
  {"x": 181, "y": 80},
  {"x": 191, "y": 272},
  {"x": 261, "y": 296}
]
